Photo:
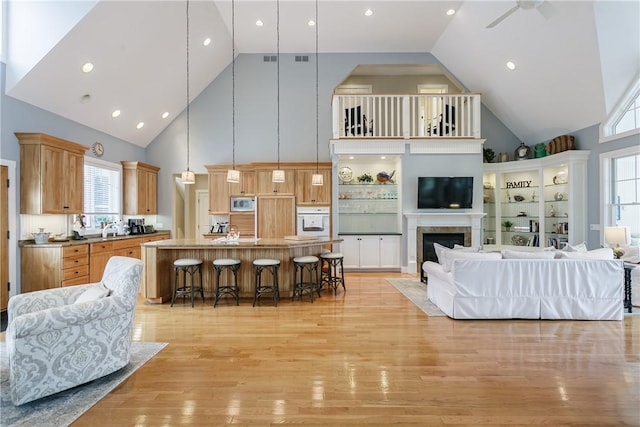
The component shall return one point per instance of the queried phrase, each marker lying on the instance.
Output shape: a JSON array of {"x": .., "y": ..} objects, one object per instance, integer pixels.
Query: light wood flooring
[{"x": 370, "y": 357}]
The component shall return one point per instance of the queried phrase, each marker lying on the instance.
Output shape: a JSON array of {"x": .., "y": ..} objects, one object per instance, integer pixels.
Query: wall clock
[{"x": 98, "y": 149}]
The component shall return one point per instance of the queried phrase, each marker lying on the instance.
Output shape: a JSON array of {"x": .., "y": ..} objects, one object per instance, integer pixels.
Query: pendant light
[
  {"x": 317, "y": 178},
  {"x": 278, "y": 174},
  {"x": 233, "y": 175},
  {"x": 188, "y": 176}
]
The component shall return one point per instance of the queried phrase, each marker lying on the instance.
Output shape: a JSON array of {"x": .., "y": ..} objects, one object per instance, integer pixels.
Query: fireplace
[
  {"x": 418, "y": 223},
  {"x": 445, "y": 236}
]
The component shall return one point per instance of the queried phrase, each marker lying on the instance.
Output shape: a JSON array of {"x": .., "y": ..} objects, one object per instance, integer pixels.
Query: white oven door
[{"x": 313, "y": 225}]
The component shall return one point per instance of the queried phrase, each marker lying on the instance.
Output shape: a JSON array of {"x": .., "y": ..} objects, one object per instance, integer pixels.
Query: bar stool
[
  {"x": 233, "y": 265},
  {"x": 190, "y": 266},
  {"x": 334, "y": 266},
  {"x": 310, "y": 264},
  {"x": 271, "y": 265}
]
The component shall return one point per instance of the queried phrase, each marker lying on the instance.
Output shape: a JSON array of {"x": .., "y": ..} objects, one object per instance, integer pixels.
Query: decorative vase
[{"x": 523, "y": 152}]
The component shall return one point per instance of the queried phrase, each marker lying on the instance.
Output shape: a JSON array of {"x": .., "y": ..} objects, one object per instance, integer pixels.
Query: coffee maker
[{"x": 136, "y": 225}]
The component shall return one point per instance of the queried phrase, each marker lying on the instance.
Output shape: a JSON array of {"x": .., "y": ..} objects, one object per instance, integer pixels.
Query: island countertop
[{"x": 159, "y": 257}]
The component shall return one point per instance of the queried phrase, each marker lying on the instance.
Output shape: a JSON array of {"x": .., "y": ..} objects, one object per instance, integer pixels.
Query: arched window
[{"x": 625, "y": 118}]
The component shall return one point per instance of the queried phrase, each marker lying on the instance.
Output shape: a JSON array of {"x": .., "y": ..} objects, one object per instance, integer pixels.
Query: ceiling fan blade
[
  {"x": 504, "y": 16},
  {"x": 546, "y": 9}
]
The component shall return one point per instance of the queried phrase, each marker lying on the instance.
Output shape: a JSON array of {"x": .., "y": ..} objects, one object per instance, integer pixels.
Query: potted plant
[
  {"x": 488, "y": 155},
  {"x": 365, "y": 177},
  {"x": 507, "y": 225}
]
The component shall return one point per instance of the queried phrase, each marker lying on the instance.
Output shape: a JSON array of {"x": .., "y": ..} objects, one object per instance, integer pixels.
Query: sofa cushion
[
  {"x": 93, "y": 293},
  {"x": 441, "y": 251},
  {"x": 601, "y": 253},
  {"x": 580, "y": 247},
  {"x": 508, "y": 254},
  {"x": 454, "y": 255}
]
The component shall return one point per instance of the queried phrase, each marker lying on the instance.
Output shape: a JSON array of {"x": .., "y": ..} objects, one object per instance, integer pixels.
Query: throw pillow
[
  {"x": 508, "y": 254},
  {"x": 580, "y": 247},
  {"x": 453, "y": 255},
  {"x": 442, "y": 251},
  {"x": 601, "y": 253},
  {"x": 93, "y": 293},
  {"x": 458, "y": 247},
  {"x": 631, "y": 254}
]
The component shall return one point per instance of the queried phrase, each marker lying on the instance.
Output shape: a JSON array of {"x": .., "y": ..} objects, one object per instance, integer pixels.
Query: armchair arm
[
  {"x": 58, "y": 318},
  {"x": 41, "y": 300}
]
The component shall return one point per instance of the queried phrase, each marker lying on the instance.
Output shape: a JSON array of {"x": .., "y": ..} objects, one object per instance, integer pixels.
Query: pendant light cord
[
  {"x": 233, "y": 82},
  {"x": 188, "y": 108},
  {"x": 278, "y": 73},
  {"x": 317, "y": 103}
]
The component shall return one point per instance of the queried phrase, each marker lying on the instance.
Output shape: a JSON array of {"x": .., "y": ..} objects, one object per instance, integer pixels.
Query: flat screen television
[{"x": 445, "y": 192}]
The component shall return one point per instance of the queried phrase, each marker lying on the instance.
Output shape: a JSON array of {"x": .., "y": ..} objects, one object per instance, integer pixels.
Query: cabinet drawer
[
  {"x": 75, "y": 250},
  {"x": 75, "y": 261},
  {"x": 101, "y": 247},
  {"x": 155, "y": 238},
  {"x": 129, "y": 252},
  {"x": 76, "y": 272},
  {"x": 80, "y": 280},
  {"x": 126, "y": 243}
]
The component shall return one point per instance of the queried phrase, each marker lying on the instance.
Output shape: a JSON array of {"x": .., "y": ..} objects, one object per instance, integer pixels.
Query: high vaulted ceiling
[{"x": 574, "y": 58}]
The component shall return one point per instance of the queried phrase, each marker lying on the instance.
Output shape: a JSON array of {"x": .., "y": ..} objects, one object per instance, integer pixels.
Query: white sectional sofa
[{"x": 486, "y": 286}]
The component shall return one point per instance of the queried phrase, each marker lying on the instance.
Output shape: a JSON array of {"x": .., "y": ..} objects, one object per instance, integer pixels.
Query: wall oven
[{"x": 313, "y": 221}]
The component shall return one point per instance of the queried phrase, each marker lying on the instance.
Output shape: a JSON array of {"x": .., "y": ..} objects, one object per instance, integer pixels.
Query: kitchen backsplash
[{"x": 59, "y": 224}]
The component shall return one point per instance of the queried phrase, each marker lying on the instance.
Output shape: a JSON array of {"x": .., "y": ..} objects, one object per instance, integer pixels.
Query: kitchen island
[{"x": 158, "y": 258}]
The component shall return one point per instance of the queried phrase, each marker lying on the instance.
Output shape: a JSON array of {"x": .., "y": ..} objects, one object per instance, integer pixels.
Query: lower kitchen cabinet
[
  {"x": 371, "y": 252},
  {"x": 53, "y": 267}
]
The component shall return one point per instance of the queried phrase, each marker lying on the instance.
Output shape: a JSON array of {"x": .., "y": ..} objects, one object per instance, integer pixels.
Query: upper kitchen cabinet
[
  {"x": 307, "y": 194},
  {"x": 51, "y": 174},
  {"x": 140, "y": 188},
  {"x": 218, "y": 192},
  {"x": 246, "y": 186},
  {"x": 265, "y": 185}
]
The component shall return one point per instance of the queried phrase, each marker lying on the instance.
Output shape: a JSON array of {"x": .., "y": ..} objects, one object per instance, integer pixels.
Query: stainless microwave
[{"x": 243, "y": 204}]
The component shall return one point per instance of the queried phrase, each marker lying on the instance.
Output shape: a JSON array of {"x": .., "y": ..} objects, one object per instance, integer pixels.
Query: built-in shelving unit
[{"x": 544, "y": 199}]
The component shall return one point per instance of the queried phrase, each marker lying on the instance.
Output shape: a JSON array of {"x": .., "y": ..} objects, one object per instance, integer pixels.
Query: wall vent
[
  {"x": 302, "y": 58},
  {"x": 270, "y": 58}
]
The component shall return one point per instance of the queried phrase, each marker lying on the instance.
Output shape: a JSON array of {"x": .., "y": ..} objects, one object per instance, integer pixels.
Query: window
[
  {"x": 625, "y": 118},
  {"x": 102, "y": 193},
  {"x": 620, "y": 171}
]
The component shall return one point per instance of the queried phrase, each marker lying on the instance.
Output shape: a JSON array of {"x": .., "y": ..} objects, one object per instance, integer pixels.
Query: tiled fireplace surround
[{"x": 418, "y": 224}]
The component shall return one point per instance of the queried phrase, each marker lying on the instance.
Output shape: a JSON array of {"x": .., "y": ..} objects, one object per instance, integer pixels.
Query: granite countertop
[
  {"x": 90, "y": 239},
  {"x": 240, "y": 243}
]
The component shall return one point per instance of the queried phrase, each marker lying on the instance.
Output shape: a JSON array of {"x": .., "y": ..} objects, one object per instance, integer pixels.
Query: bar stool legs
[
  {"x": 187, "y": 266},
  {"x": 271, "y": 265},
  {"x": 310, "y": 264},
  {"x": 232, "y": 289},
  {"x": 333, "y": 261}
]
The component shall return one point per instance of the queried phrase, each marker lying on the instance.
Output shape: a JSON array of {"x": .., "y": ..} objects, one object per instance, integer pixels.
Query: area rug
[
  {"x": 65, "y": 407},
  {"x": 416, "y": 292}
]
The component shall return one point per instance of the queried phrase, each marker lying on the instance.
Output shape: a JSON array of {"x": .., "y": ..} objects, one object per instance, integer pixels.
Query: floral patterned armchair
[{"x": 63, "y": 337}]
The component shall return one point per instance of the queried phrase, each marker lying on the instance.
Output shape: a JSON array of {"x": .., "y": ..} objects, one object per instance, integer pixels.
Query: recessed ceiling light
[
  {"x": 85, "y": 98},
  {"x": 451, "y": 12},
  {"x": 383, "y": 157},
  {"x": 86, "y": 68},
  {"x": 311, "y": 23},
  {"x": 207, "y": 41},
  {"x": 368, "y": 12},
  {"x": 259, "y": 23},
  {"x": 165, "y": 114},
  {"x": 140, "y": 125},
  {"x": 115, "y": 113},
  {"x": 351, "y": 157},
  {"x": 511, "y": 65}
]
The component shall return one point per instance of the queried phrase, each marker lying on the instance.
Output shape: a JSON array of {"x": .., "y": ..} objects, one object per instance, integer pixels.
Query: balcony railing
[{"x": 406, "y": 116}]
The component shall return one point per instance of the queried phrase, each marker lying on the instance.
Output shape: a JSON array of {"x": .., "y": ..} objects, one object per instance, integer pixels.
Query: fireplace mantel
[{"x": 437, "y": 219}]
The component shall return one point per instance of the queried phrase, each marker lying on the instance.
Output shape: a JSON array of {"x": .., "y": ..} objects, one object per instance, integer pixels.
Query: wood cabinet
[
  {"x": 100, "y": 254},
  {"x": 276, "y": 216},
  {"x": 307, "y": 194},
  {"x": 246, "y": 186},
  {"x": 51, "y": 174},
  {"x": 129, "y": 247},
  {"x": 53, "y": 266},
  {"x": 245, "y": 222},
  {"x": 218, "y": 193},
  {"x": 265, "y": 185},
  {"x": 371, "y": 252},
  {"x": 140, "y": 188}
]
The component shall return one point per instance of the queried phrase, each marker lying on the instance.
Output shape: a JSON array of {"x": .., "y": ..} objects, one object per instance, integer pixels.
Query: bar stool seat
[
  {"x": 310, "y": 264},
  {"x": 334, "y": 266},
  {"x": 187, "y": 266},
  {"x": 233, "y": 265},
  {"x": 271, "y": 265}
]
